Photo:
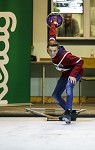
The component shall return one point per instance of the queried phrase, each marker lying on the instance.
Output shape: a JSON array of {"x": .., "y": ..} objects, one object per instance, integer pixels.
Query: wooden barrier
[{"x": 88, "y": 62}]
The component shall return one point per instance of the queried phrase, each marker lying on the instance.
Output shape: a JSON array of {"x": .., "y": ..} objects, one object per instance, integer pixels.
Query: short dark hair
[{"x": 53, "y": 44}]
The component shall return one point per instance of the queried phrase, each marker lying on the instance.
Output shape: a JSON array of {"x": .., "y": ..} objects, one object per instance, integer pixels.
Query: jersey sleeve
[{"x": 75, "y": 62}]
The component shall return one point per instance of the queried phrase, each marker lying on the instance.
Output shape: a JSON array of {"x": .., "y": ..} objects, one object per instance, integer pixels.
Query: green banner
[{"x": 16, "y": 18}]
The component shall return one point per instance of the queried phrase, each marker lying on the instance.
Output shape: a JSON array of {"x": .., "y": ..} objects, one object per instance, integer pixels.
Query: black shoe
[
  {"x": 66, "y": 116},
  {"x": 61, "y": 117},
  {"x": 73, "y": 116}
]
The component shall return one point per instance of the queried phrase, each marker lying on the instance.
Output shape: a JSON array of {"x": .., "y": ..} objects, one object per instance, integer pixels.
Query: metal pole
[{"x": 43, "y": 84}]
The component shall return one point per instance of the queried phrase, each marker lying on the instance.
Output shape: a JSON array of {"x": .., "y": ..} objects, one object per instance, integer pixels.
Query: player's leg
[
  {"x": 69, "y": 92},
  {"x": 59, "y": 89},
  {"x": 69, "y": 98}
]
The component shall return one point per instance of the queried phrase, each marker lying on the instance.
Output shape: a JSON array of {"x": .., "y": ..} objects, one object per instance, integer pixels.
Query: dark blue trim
[{"x": 61, "y": 49}]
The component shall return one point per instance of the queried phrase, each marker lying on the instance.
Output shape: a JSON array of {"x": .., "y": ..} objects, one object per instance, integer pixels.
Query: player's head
[{"x": 52, "y": 47}]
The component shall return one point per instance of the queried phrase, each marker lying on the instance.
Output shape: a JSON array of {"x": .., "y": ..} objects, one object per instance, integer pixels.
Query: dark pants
[{"x": 64, "y": 84}]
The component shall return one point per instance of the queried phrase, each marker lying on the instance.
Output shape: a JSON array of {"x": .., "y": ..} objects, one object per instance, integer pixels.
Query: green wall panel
[{"x": 16, "y": 17}]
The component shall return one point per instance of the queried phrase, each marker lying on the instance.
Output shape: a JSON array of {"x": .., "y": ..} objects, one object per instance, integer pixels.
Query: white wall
[
  {"x": 80, "y": 50},
  {"x": 40, "y": 34},
  {"x": 40, "y": 28}
]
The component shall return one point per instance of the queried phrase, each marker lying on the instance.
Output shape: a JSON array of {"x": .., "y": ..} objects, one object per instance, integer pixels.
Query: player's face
[{"x": 52, "y": 51}]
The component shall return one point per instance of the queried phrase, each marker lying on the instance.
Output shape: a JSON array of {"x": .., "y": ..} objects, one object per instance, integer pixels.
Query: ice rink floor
[{"x": 36, "y": 133}]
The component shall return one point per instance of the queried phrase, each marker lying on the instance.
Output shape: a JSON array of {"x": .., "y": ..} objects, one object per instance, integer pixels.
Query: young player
[{"x": 72, "y": 71}]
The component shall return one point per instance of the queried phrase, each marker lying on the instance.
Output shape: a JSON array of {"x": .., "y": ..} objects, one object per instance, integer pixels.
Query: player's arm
[{"x": 76, "y": 63}]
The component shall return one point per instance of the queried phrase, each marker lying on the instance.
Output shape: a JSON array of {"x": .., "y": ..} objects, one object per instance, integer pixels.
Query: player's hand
[
  {"x": 55, "y": 22},
  {"x": 72, "y": 79}
]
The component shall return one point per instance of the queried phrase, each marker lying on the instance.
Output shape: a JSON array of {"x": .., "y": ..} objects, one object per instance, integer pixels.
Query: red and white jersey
[{"x": 67, "y": 63}]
